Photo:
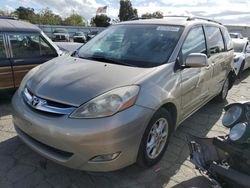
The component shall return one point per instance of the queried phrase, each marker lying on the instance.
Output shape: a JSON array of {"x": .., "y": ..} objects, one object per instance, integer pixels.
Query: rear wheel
[
  {"x": 155, "y": 138},
  {"x": 223, "y": 94}
]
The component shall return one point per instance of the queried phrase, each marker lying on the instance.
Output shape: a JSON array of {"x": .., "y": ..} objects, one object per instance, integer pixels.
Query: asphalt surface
[{"x": 22, "y": 167}]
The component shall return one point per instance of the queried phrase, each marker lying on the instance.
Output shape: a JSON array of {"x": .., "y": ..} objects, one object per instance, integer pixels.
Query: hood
[{"x": 74, "y": 81}]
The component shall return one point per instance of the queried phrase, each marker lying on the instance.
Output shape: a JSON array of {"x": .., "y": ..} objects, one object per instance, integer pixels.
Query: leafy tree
[
  {"x": 100, "y": 21},
  {"x": 47, "y": 17},
  {"x": 27, "y": 14},
  {"x": 75, "y": 19},
  {"x": 156, "y": 14},
  {"x": 127, "y": 12}
]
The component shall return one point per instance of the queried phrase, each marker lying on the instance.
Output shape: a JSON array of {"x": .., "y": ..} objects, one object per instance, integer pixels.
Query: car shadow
[
  {"x": 197, "y": 182},
  {"x": 245, "y": 74},
  {"x": 174, "y": 167},
  {"x": 5, "y": 100}
]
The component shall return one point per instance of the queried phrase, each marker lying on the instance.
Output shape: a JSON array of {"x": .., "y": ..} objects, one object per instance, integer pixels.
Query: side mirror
[{"x": 196, "y": 60}]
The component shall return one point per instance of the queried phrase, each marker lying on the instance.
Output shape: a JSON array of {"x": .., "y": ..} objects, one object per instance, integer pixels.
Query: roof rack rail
[
  {"x": 189, "y": 18},
  {"x": 9, "y": 17},
  {"x": 201, "y": 18}
]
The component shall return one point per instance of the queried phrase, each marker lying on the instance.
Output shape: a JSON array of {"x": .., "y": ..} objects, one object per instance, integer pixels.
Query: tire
[
  {"x": 148, "y": 154},
  {"x": 221, "y": 97},
  {"x": 241, "y": 70}
]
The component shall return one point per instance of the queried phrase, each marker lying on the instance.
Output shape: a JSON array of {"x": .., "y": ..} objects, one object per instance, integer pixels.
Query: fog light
[{"x": 106, "y": 157}]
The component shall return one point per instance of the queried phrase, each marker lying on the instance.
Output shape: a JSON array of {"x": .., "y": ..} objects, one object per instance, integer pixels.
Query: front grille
[
  {"x": 60, "y": 37},
  {"x": 46, "y": 106},
  {"x": 59, "y": 154}
]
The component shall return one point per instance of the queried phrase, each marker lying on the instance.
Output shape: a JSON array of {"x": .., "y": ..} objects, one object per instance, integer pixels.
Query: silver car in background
[
  {"x": 241, "y": 55},
  {"x": 118, "y": 98}
]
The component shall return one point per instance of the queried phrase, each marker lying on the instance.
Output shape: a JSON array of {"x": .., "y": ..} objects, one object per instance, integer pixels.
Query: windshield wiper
[{"x": 108, "y": 60}]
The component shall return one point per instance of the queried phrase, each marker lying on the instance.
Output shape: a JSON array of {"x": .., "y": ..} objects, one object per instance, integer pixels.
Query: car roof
[
  {"x": 174, "y": 20},
  {"x": 17, "y": 25}
]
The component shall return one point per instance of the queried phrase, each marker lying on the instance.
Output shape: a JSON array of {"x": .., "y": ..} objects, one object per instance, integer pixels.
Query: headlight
[
  {"x": 27, "y": 77},
  {"x": 232, "y": 115},
  {"x": 108, "y": 103},
  {"x": 240, "y": 133}
]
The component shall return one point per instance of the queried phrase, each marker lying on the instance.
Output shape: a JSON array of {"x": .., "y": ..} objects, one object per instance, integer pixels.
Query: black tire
[
  {"x": 222, "y": 96},
  {"x": 241, "y": 70},
  {"x": 143, "y": 159}
]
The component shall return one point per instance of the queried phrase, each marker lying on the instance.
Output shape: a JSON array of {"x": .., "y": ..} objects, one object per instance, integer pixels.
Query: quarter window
[
  {"x": 215, "y": 40},
  {"x": 228, "y": 40},
  {"x": 2, "y": 48},
  {"x": 194, "y": 43},
  {"x": 29, "y": 45}
]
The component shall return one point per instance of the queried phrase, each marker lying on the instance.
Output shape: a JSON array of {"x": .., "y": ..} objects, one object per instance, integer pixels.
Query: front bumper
[{"x": 73, "y": 142}]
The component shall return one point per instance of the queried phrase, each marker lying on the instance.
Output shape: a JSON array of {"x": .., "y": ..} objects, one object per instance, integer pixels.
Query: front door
[
  {"x": 28, "y": 50},
  {"x": 194, "y": 81},
  {"x": 6, "y": 74},
  {"x": 219, "y": 58}
]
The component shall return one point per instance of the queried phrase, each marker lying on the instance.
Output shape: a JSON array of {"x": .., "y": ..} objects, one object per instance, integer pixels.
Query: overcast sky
[{"x": 226, "y": 11}]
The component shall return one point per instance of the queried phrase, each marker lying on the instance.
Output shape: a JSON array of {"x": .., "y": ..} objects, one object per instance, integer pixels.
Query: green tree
[
  {"x": 47, "y": 17},
  {"x": 156, "y": 14},
  {"x": 27, "y": 14},
  {"x": 127, "y": 11},
  {"x": 100, "y": 21},
  {"x": 74, "y": 19}
]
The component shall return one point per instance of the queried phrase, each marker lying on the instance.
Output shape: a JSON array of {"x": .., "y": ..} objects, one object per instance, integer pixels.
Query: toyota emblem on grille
[{"x": 35, "y": 101}]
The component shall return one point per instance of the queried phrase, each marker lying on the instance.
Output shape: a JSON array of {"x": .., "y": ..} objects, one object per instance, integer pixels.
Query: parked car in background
[
  {"x": 241, "y": 55},
  {"x": 60, "y": 35},
  {"x": 22, "y": 47},
  {"x": 91, "y": 35},
  {"x": 236, "y": 35},
  {"x": 80, "y": 37},
  {"x": 119, "y": 97}
]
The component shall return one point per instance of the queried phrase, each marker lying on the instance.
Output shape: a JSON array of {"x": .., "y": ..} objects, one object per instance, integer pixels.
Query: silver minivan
[{"x": 117, "y": 99}]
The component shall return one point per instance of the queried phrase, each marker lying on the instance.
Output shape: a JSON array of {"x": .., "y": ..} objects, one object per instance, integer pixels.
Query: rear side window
[
  {"x": 2, "y": 48},
  {"x": 228, "y": 40},
  {"x": 214, "y": 40},
  {"x": 29, "y": 45},
  {"x": 194, "y": 43}
]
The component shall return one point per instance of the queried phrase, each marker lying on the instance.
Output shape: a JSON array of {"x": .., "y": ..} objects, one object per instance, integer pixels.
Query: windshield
[
  {"x": 238, "y": 47},
  {"x": 134, "y": 45}
]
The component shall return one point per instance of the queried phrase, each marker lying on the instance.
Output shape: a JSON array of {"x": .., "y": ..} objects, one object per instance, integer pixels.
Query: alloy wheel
[{"x": 157, "y": 138}]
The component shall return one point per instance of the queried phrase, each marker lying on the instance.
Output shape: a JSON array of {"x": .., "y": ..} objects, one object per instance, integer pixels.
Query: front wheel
[
  {"x": 224, "y": 92},
  {"x": 155, "y": 138}
]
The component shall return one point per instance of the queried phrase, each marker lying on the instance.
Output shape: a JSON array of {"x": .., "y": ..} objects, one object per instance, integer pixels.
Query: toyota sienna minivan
[{"x": 118, "y": 98}]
